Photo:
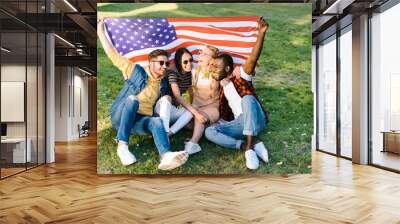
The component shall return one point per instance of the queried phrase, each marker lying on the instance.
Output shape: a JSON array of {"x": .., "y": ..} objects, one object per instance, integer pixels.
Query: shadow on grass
[{"x": 287, "y": 138}]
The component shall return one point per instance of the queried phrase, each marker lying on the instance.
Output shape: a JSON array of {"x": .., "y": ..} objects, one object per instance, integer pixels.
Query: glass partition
[
  {"x": 327, "y": 95},
  {"x": 346, "y": 92},
  {"x": 22, "y": 89},
  {"x": 385, "y": 89}
]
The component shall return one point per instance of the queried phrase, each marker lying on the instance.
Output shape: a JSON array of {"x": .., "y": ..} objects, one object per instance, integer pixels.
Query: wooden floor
[{"x": 70, "y": 191}]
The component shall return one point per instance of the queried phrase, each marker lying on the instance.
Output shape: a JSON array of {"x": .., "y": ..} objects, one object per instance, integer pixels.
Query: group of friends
[{"x": 213, "y": 97}]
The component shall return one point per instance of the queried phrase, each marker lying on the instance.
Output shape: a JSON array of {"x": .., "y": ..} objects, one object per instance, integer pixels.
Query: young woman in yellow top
[{"x": 205, "y": 97}]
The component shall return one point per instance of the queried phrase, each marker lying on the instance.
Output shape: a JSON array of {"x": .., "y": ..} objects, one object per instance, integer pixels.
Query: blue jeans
[
  {"x": 126, "y": 121},
  {"x": 250, "y": 122}
]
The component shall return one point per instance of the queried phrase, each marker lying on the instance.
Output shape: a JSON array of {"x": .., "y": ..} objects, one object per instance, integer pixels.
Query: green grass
[{"x": 283, "y": 83}]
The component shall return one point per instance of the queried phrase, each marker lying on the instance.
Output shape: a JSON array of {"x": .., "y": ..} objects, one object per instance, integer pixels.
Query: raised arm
[
  {"x": 119, "y": 61},
  {"x": 251, "y": 62}
]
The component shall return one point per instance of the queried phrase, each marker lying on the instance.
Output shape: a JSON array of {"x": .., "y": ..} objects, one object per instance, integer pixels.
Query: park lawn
[{"x": 283, "y": 83}]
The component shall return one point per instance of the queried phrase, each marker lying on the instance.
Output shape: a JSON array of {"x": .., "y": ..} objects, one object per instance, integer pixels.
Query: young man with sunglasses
[
  {"x": 239, "y": 105},
  {"x": 132, "y": 110}
]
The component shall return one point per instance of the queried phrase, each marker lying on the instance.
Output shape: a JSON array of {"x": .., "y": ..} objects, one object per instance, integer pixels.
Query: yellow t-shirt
[{"x": 148, "y": 96}]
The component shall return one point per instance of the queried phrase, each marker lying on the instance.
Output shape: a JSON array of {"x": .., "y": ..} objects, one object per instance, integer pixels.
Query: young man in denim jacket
[{"x": 132, "y": 110}]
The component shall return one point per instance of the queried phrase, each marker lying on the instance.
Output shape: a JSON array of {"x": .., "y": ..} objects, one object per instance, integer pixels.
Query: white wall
[{"x": 70, "y": 83}]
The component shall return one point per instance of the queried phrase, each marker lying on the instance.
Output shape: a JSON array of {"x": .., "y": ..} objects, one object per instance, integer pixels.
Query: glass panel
[
  {"x": 327, "y": 95},
  {"x": 385, "y": 83},
  {"x": 41, "y": 99},
  {"x": 346, "y": 92},
  {"x": 31, "y": 98},
  {"x": 32, "y": 88},
  {"x": 13, "y": 87}
]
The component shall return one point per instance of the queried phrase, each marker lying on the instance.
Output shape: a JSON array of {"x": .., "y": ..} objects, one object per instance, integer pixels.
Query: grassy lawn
[{"x": 283, "y": 83}]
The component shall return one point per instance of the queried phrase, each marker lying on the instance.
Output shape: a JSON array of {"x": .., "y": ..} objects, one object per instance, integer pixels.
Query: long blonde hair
[{"x": 214, "y": 84}]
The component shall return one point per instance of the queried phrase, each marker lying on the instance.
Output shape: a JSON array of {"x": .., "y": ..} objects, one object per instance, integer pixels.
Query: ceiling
[
  {"x": 72, "y": 20},
  {"x": 330, "y": 15}
]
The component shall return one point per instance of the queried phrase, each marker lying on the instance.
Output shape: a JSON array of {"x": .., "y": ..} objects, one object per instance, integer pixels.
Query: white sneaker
[
  {"x": 192, "y": 148},
  {"x": 126, "y": 157},
  {"x": 261, "y": 151},
  {"x": 172, "y": 160},
  {"x": 251, "y": 159}
]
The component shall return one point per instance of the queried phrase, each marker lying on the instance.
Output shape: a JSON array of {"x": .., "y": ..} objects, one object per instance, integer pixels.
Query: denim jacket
[{"x": 134, "y": 85}]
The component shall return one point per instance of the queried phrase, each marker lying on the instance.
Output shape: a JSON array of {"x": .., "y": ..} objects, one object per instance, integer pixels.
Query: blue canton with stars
[{"x": 133, "y": 34}]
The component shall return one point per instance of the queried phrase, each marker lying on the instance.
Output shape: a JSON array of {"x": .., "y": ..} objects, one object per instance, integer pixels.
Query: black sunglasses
[
  {"x": 163, "y": 62},
  {"x": 187, "y": 61}
]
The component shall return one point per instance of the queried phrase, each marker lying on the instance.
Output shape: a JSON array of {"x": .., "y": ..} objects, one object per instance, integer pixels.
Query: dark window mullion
[
  {"x": 338, "y": 73},
  {"x": 317, "y": 95},
  {"x": 26, "y": 87}
]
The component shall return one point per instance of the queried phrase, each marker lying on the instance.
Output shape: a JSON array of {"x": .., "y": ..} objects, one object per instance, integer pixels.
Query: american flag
[{"x": 135, "y": 38}]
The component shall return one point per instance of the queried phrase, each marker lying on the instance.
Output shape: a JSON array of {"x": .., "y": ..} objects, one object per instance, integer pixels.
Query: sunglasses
[
  {"x": 187, "y": 61},
  {"x": 163, "y": 62}
]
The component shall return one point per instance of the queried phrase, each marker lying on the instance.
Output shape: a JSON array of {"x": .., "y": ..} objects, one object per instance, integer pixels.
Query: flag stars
[{"x": 139, "y": 34}]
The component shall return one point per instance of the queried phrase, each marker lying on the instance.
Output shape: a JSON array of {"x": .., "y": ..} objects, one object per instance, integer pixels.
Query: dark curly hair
[{"x": 178, "y": 58}]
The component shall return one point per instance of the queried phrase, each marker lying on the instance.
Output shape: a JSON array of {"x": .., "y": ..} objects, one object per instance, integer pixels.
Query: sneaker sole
[
  {"x": 177, "y": 163},
  {"x": 191, "y": 153}
]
